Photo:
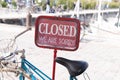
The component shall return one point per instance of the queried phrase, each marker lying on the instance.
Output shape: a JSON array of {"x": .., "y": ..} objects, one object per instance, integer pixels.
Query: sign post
[
  {"x": 54, "y": 64},
  {"x": 57, "y": 33}
]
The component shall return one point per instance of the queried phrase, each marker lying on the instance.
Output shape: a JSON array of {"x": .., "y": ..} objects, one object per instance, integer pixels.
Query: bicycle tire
[{"x": 6, "y": 47}]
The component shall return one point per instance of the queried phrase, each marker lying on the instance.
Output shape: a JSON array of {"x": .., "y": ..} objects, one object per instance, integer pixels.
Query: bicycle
[{"x": 8, "y": 63}]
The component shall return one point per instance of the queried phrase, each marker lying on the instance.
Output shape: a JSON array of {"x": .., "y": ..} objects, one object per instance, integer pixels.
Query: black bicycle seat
[{"x": 75, "y": 68}]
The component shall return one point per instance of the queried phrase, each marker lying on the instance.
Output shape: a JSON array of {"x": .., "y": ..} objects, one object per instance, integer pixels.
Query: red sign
[{"x": 57, "y": 33}]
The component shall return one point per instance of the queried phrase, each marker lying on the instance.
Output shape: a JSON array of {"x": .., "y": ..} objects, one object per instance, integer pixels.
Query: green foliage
[
  {"x": 68, "y": 4},
  {"x": 88, "y": 4},
  {"x": 3, "y": 4},
  {"x": 14, "y": 4},
  {"x": 42, "y": 4},
  {"x": 114, "y": 5}
]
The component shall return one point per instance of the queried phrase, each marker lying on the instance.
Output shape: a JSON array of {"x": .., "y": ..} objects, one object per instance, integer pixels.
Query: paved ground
[{"x": 100, "y": 49}]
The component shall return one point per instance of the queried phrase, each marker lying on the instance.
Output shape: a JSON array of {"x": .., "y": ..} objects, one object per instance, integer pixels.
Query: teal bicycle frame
[{"x": 29, "y": 68}]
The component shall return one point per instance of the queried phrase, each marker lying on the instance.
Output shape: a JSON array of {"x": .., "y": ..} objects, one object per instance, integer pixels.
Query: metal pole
[
  {"x": 78, "y": 9},
  {"x": 99, "y": 12},
  {"x": 118, "y": 18},
  {"x": 54, "y": 64},
  {"x": 29, "y": 20}
]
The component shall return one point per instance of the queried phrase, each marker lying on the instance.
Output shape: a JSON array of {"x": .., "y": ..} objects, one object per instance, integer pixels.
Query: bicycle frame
[{"x": 27, "y": 67}]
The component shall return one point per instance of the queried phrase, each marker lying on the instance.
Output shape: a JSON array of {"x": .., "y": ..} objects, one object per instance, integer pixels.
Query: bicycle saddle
[{"x": 75, "y": 68}]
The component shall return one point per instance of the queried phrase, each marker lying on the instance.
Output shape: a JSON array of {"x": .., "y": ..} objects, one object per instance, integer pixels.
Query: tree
[{"x": 116, "y": 0}]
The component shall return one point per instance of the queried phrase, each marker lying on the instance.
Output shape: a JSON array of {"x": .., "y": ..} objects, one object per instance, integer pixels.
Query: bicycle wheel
[
  {"x": 6, "y": 47},
  {"x": 7, "y": 59}
]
